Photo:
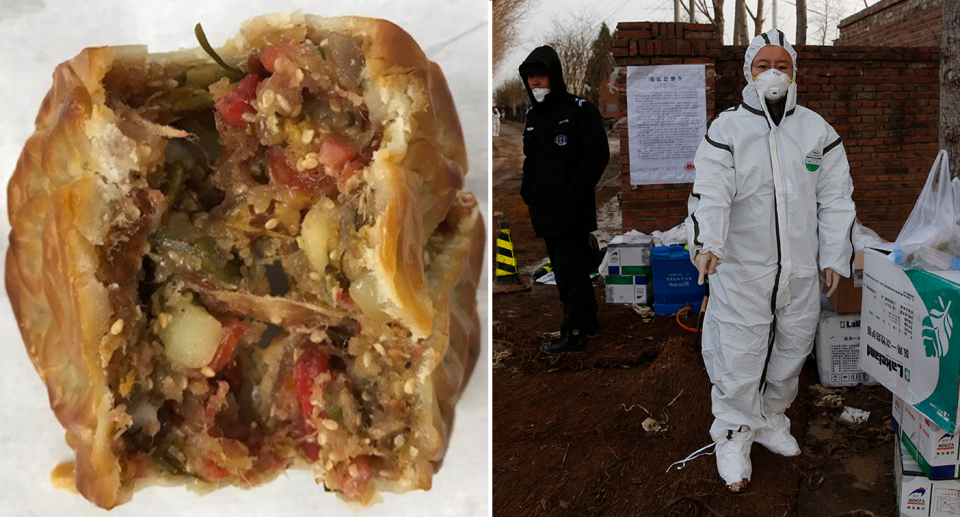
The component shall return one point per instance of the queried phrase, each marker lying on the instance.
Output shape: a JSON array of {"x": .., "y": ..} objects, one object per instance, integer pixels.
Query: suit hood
[
  {"x": 751, "y": 95},
  {"x": 544, "y": 59}
]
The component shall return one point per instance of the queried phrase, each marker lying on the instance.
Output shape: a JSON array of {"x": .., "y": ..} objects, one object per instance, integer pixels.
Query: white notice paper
[{"x": 666, "y": 120}]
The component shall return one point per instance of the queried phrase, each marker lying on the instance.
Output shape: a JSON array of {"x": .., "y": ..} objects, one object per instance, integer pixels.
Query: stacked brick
[
  {"x": 899, "y": 23},
  {"x": 883, "y": 101}
]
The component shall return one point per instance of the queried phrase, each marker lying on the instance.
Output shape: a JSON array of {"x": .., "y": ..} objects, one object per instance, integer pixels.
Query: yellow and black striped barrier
[{"x": 507, "y": 271}]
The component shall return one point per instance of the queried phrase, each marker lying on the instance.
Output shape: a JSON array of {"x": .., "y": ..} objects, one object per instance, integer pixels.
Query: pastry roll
[{"x": 228, "y": 263}]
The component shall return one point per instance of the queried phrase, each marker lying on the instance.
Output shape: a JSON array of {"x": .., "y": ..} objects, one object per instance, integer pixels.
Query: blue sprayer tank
[{"x": 674, "y": 281}]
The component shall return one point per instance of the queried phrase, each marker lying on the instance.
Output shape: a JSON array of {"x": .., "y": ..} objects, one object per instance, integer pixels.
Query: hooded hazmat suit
[
  {"x": 773, "y": 203},
  {"x": 565, "y": 152}
]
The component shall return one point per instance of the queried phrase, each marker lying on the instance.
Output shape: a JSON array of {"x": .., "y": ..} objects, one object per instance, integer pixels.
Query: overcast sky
[{"x": 542, "y": 20}]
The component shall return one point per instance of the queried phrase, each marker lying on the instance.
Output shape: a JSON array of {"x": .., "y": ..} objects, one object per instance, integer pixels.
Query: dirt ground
[{"x": 568, "y": 434}]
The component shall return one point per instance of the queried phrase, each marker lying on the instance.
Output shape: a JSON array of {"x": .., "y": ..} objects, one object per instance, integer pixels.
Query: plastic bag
[
  {"x": 675, "y": 235},
  {"x": 930, "y": 239},
  {"x": 864, "y": 237}
]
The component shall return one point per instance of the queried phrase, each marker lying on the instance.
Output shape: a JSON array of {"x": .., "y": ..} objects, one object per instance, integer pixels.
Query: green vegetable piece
[
  {"x": 232, "y": 71},
  {"x": 202, "y": 76},
  {"x": 173, "y": 183},
  {"x": 168, "y": 462},
  {"x": 191, "y": 100},
  {"x": 213, "y": 261}
]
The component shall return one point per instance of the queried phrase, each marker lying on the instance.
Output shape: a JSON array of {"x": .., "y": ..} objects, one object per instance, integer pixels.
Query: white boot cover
[
  {"x": 776, "y": 436},
  {"x": 733, "y": 459}
]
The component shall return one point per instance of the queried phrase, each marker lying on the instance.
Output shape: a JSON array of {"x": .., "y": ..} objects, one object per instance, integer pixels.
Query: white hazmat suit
[{"x": 773, "y": 203}]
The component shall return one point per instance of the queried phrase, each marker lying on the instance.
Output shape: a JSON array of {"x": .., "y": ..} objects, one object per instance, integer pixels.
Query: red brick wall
[
  {"x": 894, "y": 23},
  {"x": 884, "y": 102},
  {"x": 608, "y": 98}
]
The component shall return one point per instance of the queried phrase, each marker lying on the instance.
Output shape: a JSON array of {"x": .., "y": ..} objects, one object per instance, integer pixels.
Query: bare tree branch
[
  {"x": 827, "y": 15},
  {"x": 507, "y": 21},
  {"x": 572, "y": 37},
  {"x": 740, "y": 23},
  {"x": 802, "y": 22},
  {"x": 757, "y": 20}
]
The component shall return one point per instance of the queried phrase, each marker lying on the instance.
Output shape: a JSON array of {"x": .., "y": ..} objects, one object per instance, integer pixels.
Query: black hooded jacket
[{"x": 565, "y": 148}]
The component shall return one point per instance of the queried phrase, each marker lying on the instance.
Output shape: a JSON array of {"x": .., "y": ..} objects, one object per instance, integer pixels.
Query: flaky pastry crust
[{"x": 67, "y": 194}]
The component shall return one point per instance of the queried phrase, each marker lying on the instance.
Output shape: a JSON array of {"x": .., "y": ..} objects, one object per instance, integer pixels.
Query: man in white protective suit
[{"x": 770, "y": 216}]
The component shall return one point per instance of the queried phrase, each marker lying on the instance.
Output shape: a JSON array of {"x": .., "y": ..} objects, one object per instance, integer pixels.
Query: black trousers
[{"x": 573, "y": 260}]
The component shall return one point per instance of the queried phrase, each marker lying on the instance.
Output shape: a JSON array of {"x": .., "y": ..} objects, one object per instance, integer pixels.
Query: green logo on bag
[
  {"x": 937, "y": 328},
  {"x": 813, "y": 161}
]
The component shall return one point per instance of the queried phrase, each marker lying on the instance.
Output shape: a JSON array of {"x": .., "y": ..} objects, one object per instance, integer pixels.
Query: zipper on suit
[{"x": 783, "y": 176}]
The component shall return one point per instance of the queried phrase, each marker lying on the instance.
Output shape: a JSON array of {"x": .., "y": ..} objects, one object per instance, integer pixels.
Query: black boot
[
  {"x": 592, "y": 330},
  {"x": 571, "y": 340}
]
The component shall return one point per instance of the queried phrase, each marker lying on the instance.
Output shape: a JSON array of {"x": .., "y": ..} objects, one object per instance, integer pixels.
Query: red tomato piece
[
  {"x": 351, "y": 485},
  {"x": 232, "y": 333},
  {"x": 335, "y": 152},
  {"x": 313, "y": 181},
  {"x": 213, "y": 471},
  {"x": 234, "y": 105},
  {"x": 311, "y": 363},
  {"x": 269, "y": 54},
  {"x": 310, "y": 449}
]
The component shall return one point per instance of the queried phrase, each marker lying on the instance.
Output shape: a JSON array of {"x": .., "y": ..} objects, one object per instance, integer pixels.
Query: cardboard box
[
  {"x": 907, "y": 339},
  {"x": 936, "y": 451},
  {"x": 837, "y": 350},
  {"x": 846, "y": 299},
  {"x": 896, "y": 415},
  {"x": 628, "y": 255},
  {"x": 628, "y": 289},
  {"x": 918, "y": 496}
]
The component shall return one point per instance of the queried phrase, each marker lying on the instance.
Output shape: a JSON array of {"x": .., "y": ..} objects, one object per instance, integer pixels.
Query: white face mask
[
  {"x": 774, "y": 84},
  {"x": 540, "y": 93}
]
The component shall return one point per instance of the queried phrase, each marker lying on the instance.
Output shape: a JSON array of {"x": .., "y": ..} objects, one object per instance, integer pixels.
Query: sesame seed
[
  {"x": 276, "y": 320},
  {"x": 379, "y": 348},
  {"x": 331, "y": 424},
  {"x": 354, "y": 471},
  {"x": 248, "y": 117},
  {"x": 284, "y": 103},
  {"x": 299, "y": 75},
  {"x": 307, "y": 136},
  {"x": 367, "y": 359},
  {"x": 414, "y": 452},
  {"x": 314, "y": 276},
  {"x": 322, "y": 439},
  {"x": 266, "y": 100},
  {"x": 398, "y": 441},
  {"x": 410, "y": 386},
  {"x": 271, "y": 223},
  {"x": 366, "y": 396},
  {"x": 207, "y": 371},
  {"x": 164, "y": 319},
  {"x": 308, "y": 164},
  {"x": 117, "y": 327}
]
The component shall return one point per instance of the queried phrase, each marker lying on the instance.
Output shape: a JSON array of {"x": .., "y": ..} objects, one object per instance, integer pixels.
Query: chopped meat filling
[{"x": 245, "y": 351}]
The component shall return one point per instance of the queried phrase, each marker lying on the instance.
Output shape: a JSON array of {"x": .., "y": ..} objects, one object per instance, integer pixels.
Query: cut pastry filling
[{"x": 252, "y": 339}]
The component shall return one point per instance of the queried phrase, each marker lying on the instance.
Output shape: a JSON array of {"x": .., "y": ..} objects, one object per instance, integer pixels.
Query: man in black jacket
[{"x": 566, "y": 150}]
